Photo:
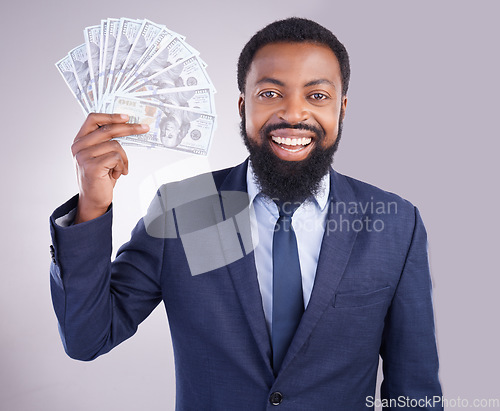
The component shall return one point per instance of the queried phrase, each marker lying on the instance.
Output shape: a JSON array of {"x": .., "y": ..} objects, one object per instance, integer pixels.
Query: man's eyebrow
[
  {"x": 320, "y": 81},
  {"x": 271, "y": 80}
]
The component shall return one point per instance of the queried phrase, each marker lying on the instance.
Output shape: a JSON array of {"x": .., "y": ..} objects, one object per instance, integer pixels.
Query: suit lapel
[
  {"x": 244, "y": 277},
  {"x": 336, "y": 248},
  {"x": 243, "y": 272}
]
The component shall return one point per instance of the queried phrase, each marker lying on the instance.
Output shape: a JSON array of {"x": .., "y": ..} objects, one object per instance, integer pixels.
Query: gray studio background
[{"x": 421, "y": 122}]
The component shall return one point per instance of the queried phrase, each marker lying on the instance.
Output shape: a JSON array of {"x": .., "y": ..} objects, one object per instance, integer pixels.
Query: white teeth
[
  {"x": 304, "y": 141},
  {"x": 292, "y": 150}
]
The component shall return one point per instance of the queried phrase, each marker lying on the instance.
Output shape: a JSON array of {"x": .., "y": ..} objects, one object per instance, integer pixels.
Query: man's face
[
  {"x": 292, "y": 111},
  {"x": 295, "y": 83}
]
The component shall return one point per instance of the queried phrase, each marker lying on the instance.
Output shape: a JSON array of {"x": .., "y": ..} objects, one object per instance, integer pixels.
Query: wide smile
[{"x": 292, "y": 144}]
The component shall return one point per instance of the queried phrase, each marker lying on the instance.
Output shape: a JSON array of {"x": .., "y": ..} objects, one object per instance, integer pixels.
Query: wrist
[{"x": 86, "y": 211}]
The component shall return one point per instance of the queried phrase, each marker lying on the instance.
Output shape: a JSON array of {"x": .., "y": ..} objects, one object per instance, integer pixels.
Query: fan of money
[{"x": 149, "y": 72}]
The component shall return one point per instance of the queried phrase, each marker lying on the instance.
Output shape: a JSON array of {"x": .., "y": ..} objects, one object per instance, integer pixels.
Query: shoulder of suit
[{"x": 366, "y": 192}]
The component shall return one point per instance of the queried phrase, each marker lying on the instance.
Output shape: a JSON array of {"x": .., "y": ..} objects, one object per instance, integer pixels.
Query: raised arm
[{"x": 100, "y": 303}]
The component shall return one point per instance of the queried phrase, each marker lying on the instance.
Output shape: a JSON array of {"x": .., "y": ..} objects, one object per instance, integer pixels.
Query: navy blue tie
[{"x": 288, "y": 302}]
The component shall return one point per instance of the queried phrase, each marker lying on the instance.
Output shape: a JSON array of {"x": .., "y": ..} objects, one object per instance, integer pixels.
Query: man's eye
[
  {"x": 318, "y": 96},
  {"x": 269, "y": 94}
]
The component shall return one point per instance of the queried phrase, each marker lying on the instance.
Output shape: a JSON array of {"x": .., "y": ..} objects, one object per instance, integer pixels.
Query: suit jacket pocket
[{"x": 361, "y": 300}]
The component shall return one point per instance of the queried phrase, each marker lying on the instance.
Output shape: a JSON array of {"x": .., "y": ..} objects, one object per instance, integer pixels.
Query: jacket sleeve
[
  {"x": 100, "y": 303},
  {"x": 408, "y": 351}
]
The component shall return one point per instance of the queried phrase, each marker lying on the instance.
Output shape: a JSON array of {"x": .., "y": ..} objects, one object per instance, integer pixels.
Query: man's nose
[{"x": 294, "y": 109}]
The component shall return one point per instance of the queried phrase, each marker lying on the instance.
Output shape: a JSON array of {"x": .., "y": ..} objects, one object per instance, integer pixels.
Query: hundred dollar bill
[
  {"x": 113, "y": 26},
  {"x": 170, "y": 127},
  {"x": 187, "y": 73},
  {"x": 81, "y": 66},
  {"x": 92, "y": 37},
  {"x": 176, "y": 51},
  {"x": 162, "y": 39},
  {"x": 148, "y": 33},
  {"x": 102, "y": 43},
  {"x": 129, "y": 31},
  {"x": 201, "y": 100},
  {"x": 66, "y": 68},
  {"x": 110, "y": 47}
]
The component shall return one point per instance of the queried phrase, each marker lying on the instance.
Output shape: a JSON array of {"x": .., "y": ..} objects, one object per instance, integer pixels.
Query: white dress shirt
[{"x": 308, "y": 223}]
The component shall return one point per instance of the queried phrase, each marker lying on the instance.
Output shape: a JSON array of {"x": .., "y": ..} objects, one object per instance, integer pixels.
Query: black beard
[{"x": 289, "y": 181}]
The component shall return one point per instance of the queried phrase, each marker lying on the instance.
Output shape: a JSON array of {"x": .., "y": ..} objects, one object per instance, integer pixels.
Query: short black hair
[{"x": 293, "y": 30}]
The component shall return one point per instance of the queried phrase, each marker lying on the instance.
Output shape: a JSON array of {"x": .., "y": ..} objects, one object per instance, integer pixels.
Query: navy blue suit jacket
[{"x": 371, "y": 297}]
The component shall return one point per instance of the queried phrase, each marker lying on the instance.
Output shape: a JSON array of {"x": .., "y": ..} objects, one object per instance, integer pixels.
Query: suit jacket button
[
  {"x": 52, "y": 254},
  {"x": 276, "y": 398}
]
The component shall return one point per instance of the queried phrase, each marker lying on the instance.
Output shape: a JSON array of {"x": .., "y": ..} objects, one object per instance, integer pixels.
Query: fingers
[
  {"x": 95, "y": 153},
  {"x": 104, "y": 133},
  {"x": 96, "y": 120},
  {"x": 108, "y": 165}
]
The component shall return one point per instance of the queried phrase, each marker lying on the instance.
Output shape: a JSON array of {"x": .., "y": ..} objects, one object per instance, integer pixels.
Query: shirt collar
[{"x": 321, "y": 197}]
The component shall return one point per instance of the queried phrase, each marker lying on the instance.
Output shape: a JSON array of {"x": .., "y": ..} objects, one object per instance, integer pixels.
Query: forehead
[{"x": 295, "y": 62}]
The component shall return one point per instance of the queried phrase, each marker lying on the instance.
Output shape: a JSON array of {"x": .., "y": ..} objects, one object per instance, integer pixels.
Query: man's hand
[{"x": 100, "y": 161}]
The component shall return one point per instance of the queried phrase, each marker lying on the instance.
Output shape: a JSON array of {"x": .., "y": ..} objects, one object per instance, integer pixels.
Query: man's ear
[
  {"x": 241, "y": 104},
  {"x": 344, "y": 105}
]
